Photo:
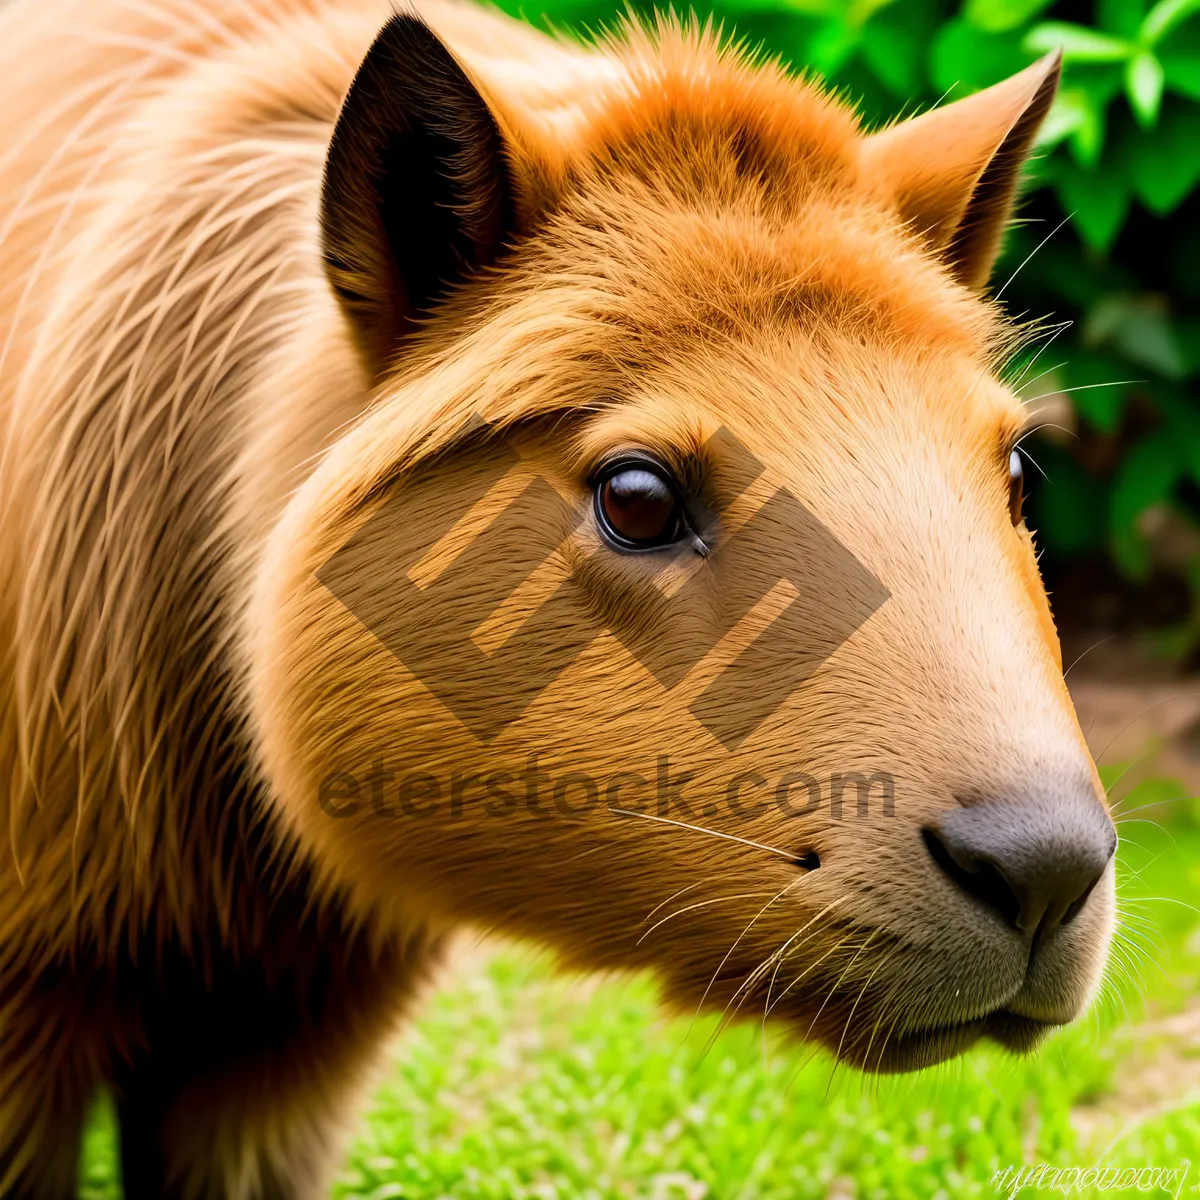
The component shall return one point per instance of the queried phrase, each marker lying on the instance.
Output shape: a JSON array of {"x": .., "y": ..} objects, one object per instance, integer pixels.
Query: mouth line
[{"x": 927, "y": 1047}]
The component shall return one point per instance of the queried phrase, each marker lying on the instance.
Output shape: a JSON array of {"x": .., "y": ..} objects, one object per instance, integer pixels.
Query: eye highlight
[
  {"x": 1016, "y": 486},
  {"x": 637, "y": 505}
]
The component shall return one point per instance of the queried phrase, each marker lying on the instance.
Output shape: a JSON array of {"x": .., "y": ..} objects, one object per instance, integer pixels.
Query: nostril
[
  {"x": 810, "y": 860},
  {"x": 1073, "y": 909},
  {"x": 977, "y": 876},
  {"x": 1033, "y": 864}
]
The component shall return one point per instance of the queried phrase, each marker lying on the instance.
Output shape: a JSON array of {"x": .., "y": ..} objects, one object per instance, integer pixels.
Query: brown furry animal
[{"x": 266, "y": 339}]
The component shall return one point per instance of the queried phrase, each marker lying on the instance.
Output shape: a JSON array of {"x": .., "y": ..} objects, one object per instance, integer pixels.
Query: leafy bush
[{"x": 1119, "y": 174}]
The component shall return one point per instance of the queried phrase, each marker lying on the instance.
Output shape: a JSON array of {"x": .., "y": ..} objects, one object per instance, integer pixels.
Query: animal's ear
[
  {"x": 953, "y": 172},
  {"x": 418, "y": 188}
]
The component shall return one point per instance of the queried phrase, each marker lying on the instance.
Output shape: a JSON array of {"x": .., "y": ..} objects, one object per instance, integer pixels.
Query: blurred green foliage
[{"x": 1119, "y": 172}]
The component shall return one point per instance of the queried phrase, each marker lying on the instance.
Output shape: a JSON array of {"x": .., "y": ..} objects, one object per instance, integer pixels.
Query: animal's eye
[
  {"x": 637, "y": 505},
  {"x": 1016, "y": 486}
]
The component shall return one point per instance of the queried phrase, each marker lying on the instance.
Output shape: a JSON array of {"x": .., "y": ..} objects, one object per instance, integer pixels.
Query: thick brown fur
[{"x": 193, "y": 424}]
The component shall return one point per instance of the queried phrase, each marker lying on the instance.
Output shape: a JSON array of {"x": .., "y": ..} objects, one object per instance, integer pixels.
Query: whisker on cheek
[{"x": 729, "y": 837}]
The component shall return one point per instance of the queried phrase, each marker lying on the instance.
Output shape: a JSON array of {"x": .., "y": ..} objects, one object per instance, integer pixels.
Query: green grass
[{"x": 517, "y": 1083}]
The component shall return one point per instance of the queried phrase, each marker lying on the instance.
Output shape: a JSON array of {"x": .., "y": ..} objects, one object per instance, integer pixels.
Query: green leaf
[
  {"x": 1121, "y": 17},
  {"x": 1098, "y": 392},
  {"x": 832, "y": 46},
  {"x": 1076, "y": 115},
  {"x": 1144, "y": 83},
  {"x": 1165, "y": 165},
  {"x": 1129, "y": 552},
  {"x": 894, "y": 45},
  {"x": 1070, "y": 111},
  {"x": 998, "y": 16},
  {"x": 811, "y": 8},
  {"x": 1146, "y": 477},
  {"x": 1097, "y": 200},
  {"x": 1139, "y": 329},
  {"x": 1078, "y": 43},
  {"x": 1099, "y": 85},
  {"x": 1165, "y": 16},
  {"x": 1181, "y": 73},
  {"x": 965, "y": 59},
  {"x": 1067, "y": 507},
  {"x": 1182, "y": 423},
  {"x": 1189, "y": 341},
  {"x": 861, "y": 11}
]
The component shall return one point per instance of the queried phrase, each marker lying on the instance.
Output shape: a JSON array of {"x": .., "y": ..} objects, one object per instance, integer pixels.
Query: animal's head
[{"x": 673, "y": 603}]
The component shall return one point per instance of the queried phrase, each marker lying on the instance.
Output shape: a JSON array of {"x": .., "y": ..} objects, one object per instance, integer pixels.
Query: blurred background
[{"x": 517, "y": 1083}]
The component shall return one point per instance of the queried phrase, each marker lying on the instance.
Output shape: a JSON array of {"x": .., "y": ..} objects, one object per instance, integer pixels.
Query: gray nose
[{"x": 1034, "y": 863}]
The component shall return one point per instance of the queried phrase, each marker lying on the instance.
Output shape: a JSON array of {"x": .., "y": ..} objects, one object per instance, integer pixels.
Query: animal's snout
[{"x": 1032, "y": 862}]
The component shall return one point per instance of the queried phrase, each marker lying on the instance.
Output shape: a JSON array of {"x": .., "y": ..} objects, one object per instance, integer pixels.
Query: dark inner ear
[{"x": 418, "y": 189}]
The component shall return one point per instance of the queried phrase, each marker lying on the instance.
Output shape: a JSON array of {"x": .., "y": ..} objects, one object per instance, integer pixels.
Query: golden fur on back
[{"x": 193, "y": 425}]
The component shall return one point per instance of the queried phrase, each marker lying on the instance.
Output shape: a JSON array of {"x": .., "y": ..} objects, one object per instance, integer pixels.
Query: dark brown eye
[
  {"x": 1016, "y": 486},
  {"x": 637, "y": 506}
]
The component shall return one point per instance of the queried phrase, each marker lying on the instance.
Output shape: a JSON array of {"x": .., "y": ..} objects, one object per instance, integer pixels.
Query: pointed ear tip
[
  {"x": 1051, "y": 64},
  {"x": 406, "y": 27},
  {"x": 405, "y": 18},
  {"x": 1035, "y": 85},
  {"x": 1047, "y": 70}
]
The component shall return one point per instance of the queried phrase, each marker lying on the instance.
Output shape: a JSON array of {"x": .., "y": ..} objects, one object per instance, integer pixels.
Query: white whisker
[
  {"x": 1030, "y": 255},
  {"x": 730, "y": 837}
]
